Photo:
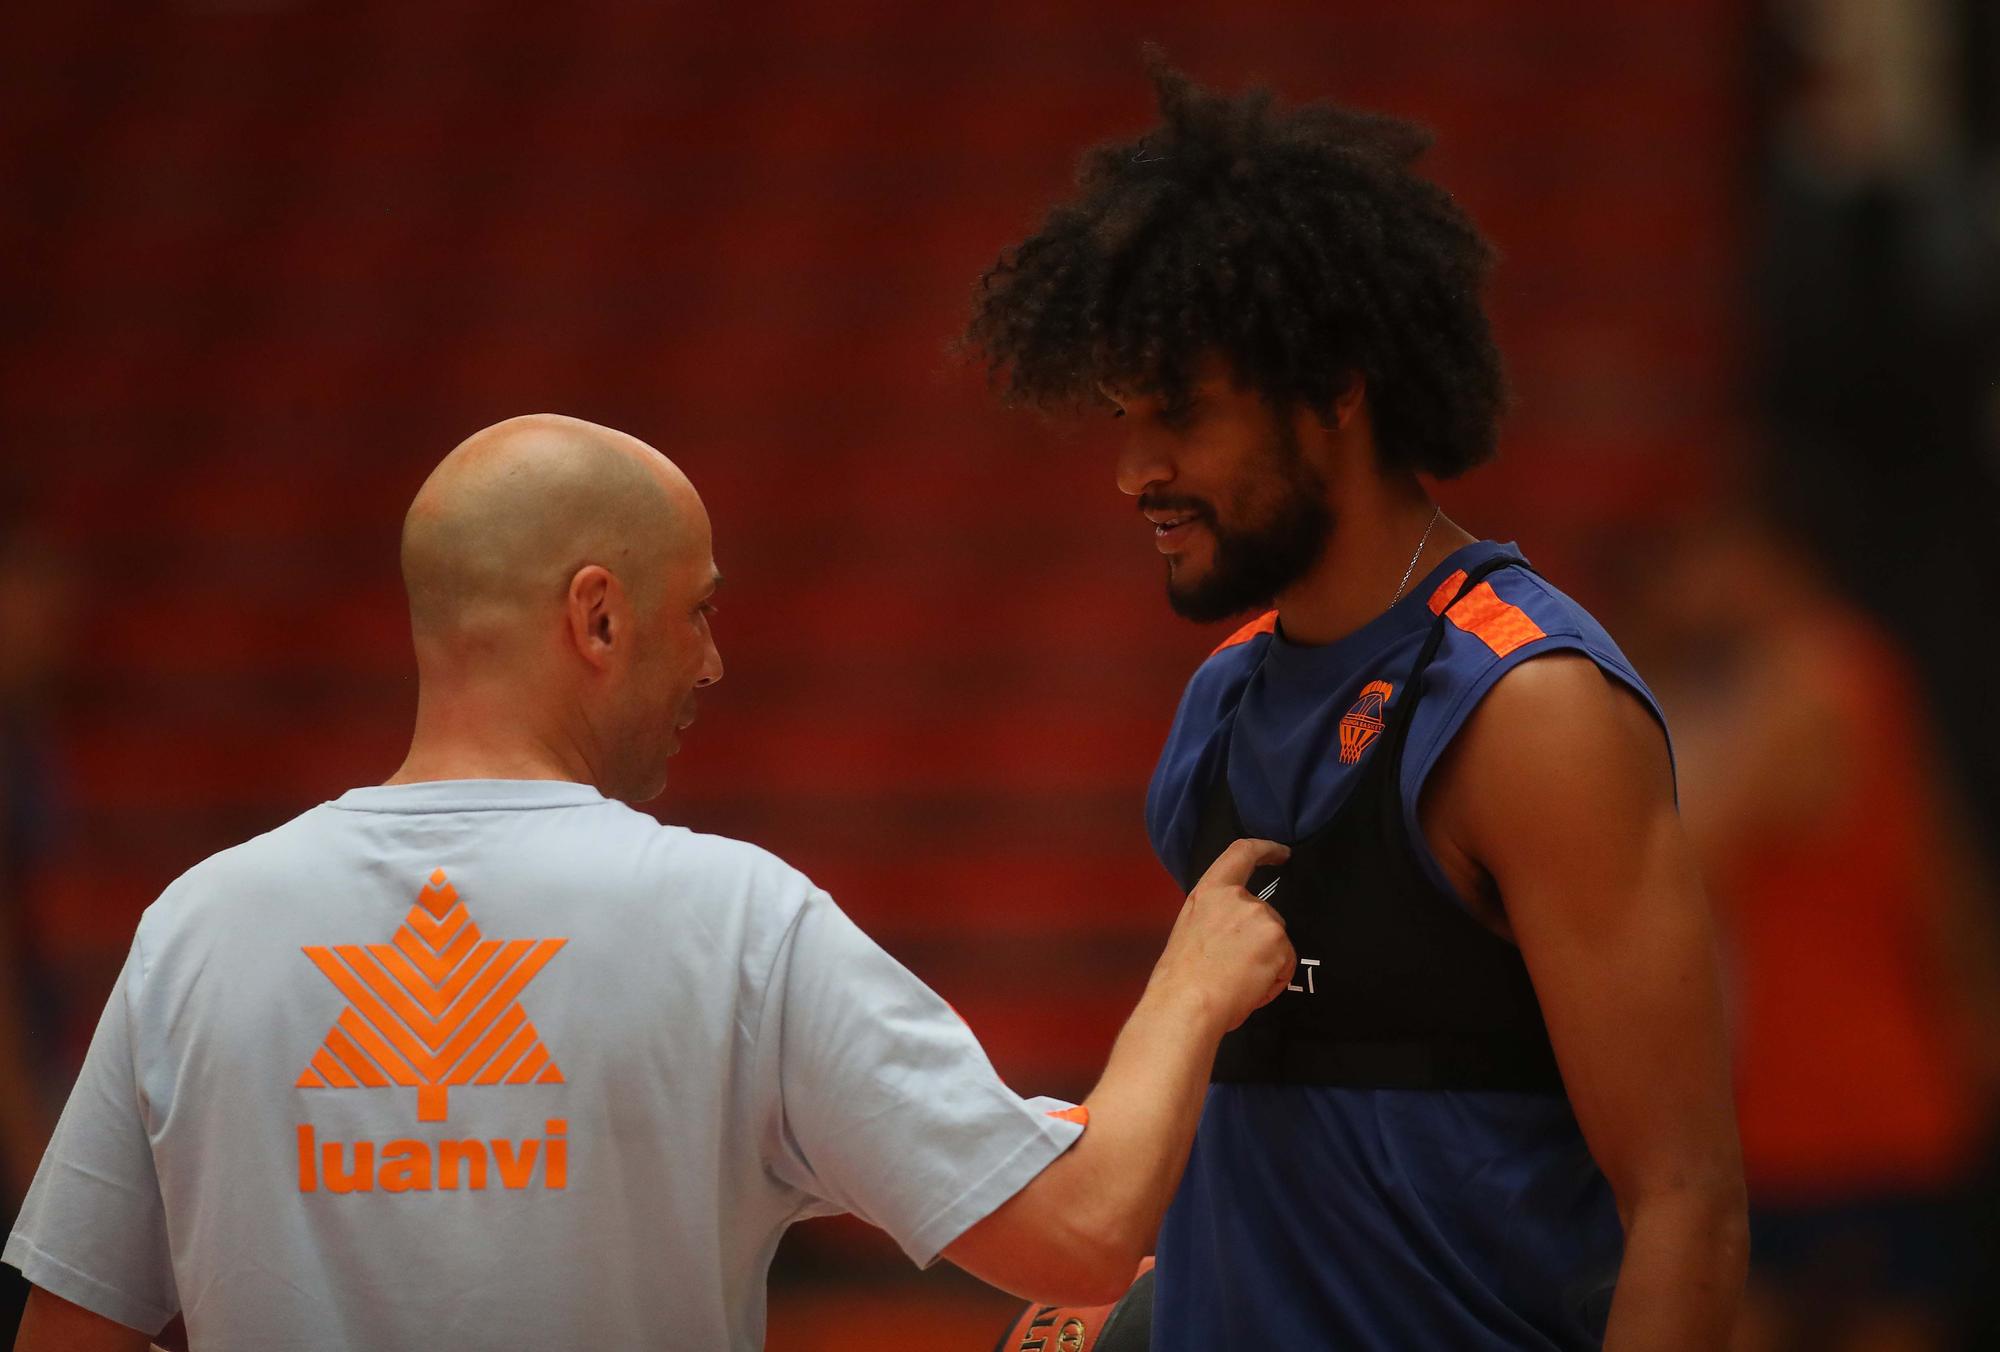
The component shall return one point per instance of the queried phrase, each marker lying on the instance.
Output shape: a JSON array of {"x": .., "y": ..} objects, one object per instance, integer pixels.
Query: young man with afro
[{"x": 1493, "y": 1108}]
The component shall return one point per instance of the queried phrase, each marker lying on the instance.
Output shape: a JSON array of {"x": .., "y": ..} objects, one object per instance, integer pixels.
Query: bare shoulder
[
  {"x": 1557, "y": 754},
  {"x": 1562, "y": 713}
]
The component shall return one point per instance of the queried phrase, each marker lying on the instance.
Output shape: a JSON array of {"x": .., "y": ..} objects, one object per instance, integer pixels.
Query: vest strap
[{"x": 1463, "y": 1014}]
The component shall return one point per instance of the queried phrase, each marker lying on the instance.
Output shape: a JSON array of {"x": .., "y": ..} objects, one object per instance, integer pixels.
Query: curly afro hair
[{"x": 1299, "y": 243}]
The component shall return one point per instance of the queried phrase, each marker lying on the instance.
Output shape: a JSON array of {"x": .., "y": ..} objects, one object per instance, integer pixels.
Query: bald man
[{"x": 481, "y": 1058}]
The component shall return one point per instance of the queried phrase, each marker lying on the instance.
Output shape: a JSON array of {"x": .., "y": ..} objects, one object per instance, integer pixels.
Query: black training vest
[{"x": 1409, "y": 991}]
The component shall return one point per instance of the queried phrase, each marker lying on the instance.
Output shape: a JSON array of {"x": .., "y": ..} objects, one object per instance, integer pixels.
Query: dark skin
[{"x": 1553, "y": 815}]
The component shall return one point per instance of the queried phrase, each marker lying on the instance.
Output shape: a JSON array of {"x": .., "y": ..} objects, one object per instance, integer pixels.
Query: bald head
[
  {"x": 561, "y": 581},
  {"x": 505, "y": 521}
]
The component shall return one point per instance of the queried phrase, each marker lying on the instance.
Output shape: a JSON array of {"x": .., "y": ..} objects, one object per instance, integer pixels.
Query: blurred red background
[
  {"x": 266, "y": 262},
  {"x": 270, "y": 261}
]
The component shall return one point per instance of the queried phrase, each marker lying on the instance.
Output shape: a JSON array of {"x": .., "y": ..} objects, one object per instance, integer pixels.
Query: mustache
[{"x": 1174, "y": 502}]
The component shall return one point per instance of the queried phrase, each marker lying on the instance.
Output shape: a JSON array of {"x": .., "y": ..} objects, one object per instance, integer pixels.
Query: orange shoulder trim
[
  {"x": 1446, "y": 590},
  {"x": 1498, "y": 624},
  {"x": 1079, "y": 1115},
  {"x": 1267, "y": 623}
]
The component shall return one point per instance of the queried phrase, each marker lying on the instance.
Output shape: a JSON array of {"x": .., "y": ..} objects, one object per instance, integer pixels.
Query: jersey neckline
[
  {"x": 1315, "y": 662},
  {"x": 469, "y": 795}
]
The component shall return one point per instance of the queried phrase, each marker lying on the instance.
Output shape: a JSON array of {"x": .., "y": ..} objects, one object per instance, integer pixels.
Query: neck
[
  {"x": 466, "y": 731},
  {"x": 1378, "y": 524}
]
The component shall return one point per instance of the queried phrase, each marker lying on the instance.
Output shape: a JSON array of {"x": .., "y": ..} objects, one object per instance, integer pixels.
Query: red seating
[{"x": 271, "y": 261}]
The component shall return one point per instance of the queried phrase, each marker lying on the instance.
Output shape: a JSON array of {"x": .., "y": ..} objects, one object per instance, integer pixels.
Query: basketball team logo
[
  {"x": 437, "y": 1006},
  {"x": 1361, "y": 725},
  {"x": 1042, "y": 1335}
]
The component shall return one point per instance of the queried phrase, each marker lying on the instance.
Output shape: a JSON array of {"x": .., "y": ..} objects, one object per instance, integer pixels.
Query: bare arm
[
  {"x": 1560, "y": 789},
  {"x": 52, "y": 1324},
  {"x": 1076, "y": 1233}
]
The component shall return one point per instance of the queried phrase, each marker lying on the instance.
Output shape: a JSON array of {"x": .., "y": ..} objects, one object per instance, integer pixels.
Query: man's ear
[
  {"x": 1348, "y": 402},
  {"x": 597, "y": 614}
]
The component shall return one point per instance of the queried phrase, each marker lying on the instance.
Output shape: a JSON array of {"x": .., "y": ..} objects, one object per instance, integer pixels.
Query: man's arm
[
  {"x": 52, "y": 1324},
  {"x": 1560, "y": 788},
  {"x": 1076, "y": 1233}
]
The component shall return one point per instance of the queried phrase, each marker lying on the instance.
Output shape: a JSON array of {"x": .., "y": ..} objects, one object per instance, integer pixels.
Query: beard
[{"x": 1253, "y": 563}]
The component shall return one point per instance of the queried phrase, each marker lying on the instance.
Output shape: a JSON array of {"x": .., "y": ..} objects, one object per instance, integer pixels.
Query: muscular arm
[
  {"x": 1076, "y": 1233},
  {"x": 1559, "y": 788}
]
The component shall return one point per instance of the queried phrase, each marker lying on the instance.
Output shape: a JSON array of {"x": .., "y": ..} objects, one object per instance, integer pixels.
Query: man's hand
[
  {"x": 1228, "y": 951},
  {"x": 1075, "y": 1233},
  {"x": 52, "y": 1324}
]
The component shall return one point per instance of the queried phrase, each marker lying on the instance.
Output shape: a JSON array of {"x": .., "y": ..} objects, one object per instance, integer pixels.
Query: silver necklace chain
[{"x": 1435, "y": 514}]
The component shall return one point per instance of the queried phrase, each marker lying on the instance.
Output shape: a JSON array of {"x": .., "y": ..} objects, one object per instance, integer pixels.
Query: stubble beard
[{"x": 1251, "y": 567}]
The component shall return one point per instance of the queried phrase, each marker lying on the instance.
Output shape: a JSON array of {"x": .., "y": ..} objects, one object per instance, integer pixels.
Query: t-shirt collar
[
  {"x": 469, "y": 795},
  {"x": 1284, "y": 658}
]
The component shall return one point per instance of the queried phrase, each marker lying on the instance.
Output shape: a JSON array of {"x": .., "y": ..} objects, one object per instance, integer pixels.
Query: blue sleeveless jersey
[{"x": 1315, "y": 1217}]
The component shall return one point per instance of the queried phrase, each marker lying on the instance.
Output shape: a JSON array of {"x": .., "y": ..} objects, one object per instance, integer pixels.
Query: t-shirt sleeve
[
  {"x": 889, "y": 1107},
  {"x": 93, "y": 1229}
]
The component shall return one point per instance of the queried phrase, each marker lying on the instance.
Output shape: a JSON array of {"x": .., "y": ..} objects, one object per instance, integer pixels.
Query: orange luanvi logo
[
  {"x": 439, "y": 1006},
  {"x": 1361, "y": 725}
]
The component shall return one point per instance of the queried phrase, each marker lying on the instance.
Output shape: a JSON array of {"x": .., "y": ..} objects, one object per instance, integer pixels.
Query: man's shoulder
[
  {"x": 1519, "y": 648},
  {"x": 727, "y": 863},
  {"x": 1214, "y": 690},
  {"x": 1231, "y": 662},
  {"x": 1242, "y": 645},
  {"x": 1505, "y": 612},
  {"x": 626, "y": 852},
  {"x": 1511, "y": 616},
  {"x": 262, "y": 860}
]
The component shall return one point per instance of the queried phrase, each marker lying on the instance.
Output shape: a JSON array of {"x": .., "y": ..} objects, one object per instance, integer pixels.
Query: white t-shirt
[{"x": 503, "y": 1064}]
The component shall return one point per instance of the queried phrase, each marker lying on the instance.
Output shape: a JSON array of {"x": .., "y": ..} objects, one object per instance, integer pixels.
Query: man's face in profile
[
  {"x": 674, "y": 656},
  {"x": 1236, "y": 507}
]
